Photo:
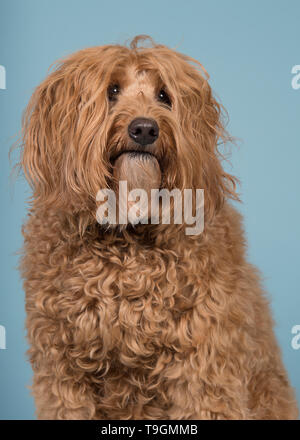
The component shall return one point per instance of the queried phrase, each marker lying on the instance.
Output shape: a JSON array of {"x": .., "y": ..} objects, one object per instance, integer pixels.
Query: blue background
[{"x": 249, "y": 49}]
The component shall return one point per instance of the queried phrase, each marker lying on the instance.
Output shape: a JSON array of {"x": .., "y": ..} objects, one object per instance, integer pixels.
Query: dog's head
[{"x": 109, "y": 113}]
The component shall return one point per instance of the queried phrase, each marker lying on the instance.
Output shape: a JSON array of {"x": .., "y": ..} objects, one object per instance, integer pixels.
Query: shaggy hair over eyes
[{"x": 139, "y": 322}]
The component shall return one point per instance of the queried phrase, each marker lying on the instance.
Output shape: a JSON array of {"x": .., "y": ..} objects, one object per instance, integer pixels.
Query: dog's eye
[
  {"x": 164, "y": 97},
  {"x": 113, "y": 92}
]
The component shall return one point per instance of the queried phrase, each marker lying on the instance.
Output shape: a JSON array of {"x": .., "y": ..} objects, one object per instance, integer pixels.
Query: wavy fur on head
[{"x": 141, "y": 322}]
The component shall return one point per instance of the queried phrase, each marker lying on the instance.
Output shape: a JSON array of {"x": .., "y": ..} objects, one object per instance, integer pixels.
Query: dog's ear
[
  {"x": 49, "y": 123},
  {"x": 39, "y": 156},
  {"x": 219, "y": 184},
  {"x": 205, "y": 131},
  {"x": 62, "y": 125}
]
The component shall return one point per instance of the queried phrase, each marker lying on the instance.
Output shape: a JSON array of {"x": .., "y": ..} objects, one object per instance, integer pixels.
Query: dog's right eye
[{"x": 113, "y": 91}]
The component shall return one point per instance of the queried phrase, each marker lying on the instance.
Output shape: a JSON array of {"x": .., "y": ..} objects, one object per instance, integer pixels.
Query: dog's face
[
  {"x": 141, "y": 144},
  {"x": 145, "y": 115}
]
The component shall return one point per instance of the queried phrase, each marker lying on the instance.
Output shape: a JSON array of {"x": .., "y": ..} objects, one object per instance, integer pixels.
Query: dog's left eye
[
  {"x": 164, "y": 97},
  {"x": 113, "y": 91}
]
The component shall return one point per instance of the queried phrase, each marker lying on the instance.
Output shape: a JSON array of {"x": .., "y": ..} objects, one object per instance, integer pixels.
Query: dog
[{"x": 139, "y": 321}]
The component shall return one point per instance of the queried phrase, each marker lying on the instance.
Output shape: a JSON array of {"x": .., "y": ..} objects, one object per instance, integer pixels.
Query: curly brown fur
[{"x": 139, "y": 322}]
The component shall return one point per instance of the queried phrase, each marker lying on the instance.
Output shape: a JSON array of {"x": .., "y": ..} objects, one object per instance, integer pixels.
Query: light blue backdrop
[{"x": 249, "y": 49}]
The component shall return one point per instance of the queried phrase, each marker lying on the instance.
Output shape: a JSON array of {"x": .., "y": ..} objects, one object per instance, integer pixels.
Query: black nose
[{"x": 143, "y": 131}]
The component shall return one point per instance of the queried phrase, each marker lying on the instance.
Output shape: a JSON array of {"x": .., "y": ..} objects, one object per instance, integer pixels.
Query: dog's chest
[{"x": 143, "y": 302}]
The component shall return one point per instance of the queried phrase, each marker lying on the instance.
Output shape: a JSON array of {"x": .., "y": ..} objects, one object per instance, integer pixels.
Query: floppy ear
[
  {"x": 219, "y": 185},
  {"x": 206, "y": 131},
  {"x": 61, "y": 129},
  {"x": 39, "y": 158},
  {"x": 48, "y": 126}
]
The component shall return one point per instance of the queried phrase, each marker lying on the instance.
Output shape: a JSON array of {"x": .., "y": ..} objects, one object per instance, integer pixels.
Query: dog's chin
[{"x": 141, "y": 170}]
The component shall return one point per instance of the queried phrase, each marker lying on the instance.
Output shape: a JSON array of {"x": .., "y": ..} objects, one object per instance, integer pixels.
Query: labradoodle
[{"x": 139, "y": 320}]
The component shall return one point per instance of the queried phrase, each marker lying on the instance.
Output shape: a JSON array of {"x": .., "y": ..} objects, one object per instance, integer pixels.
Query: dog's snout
[{"x": 143, "y": 131}]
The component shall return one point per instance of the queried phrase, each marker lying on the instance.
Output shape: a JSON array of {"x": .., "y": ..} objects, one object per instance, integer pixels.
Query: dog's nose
[{"x": 143, "y": 131}]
